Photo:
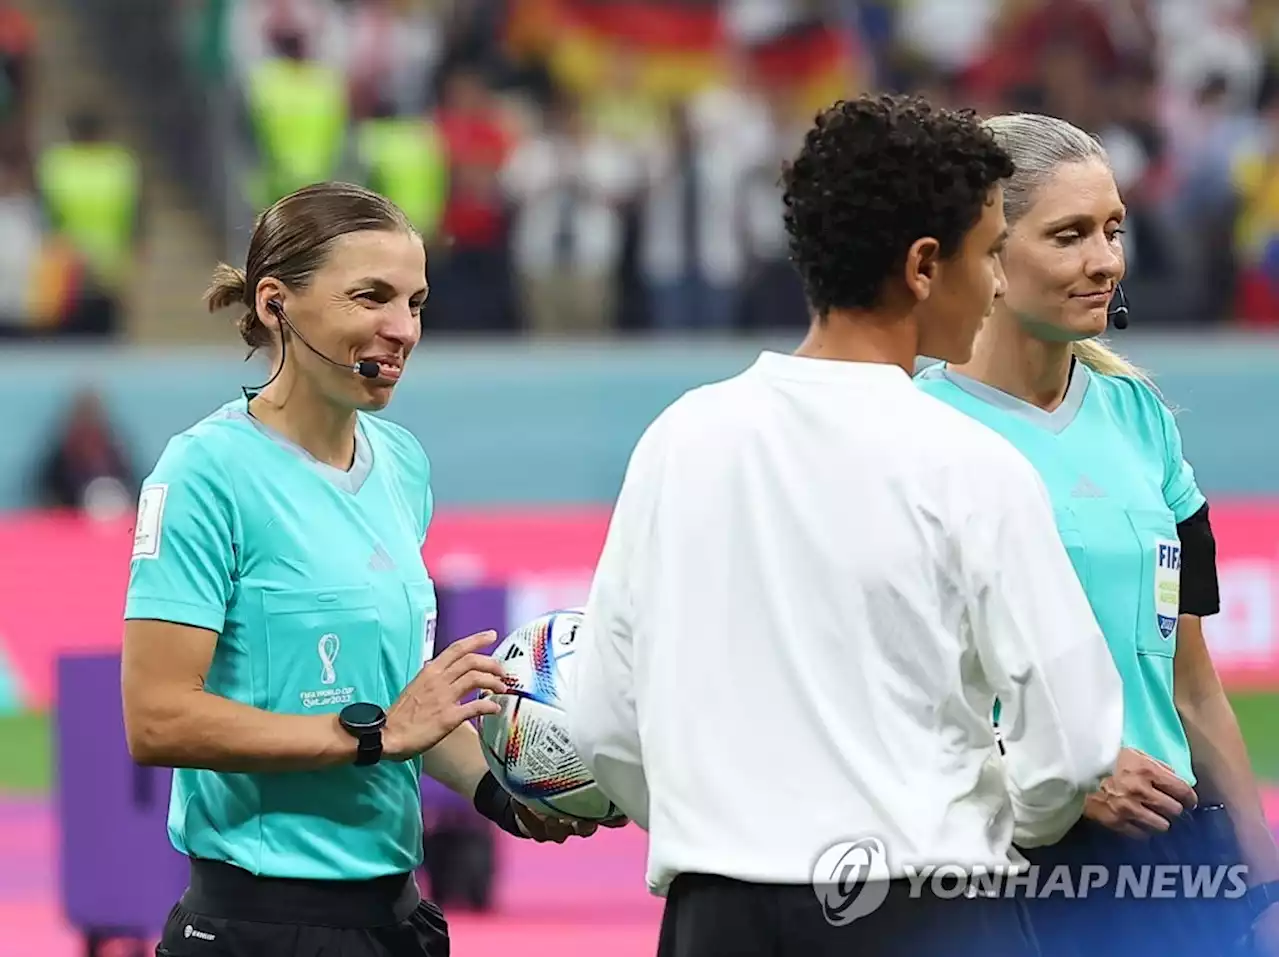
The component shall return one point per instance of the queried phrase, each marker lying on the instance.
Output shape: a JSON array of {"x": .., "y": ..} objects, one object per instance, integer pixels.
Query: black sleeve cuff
[
  {"x": 1199, "y": 579},
  {"x": 494, "y": 802}
]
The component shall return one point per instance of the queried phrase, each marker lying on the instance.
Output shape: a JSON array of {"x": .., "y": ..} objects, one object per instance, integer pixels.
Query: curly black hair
[{"x": 874, "y": 175}]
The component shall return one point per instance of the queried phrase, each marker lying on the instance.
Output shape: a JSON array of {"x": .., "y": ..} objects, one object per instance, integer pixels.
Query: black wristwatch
[{"x": 364, "y": 722}]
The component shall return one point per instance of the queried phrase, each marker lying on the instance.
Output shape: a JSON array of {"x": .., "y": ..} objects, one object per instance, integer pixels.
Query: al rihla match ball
[{"x": 527, "y": 743}]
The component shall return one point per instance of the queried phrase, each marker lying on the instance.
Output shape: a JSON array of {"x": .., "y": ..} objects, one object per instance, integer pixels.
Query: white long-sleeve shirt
[{"x": 816, "y": 582}]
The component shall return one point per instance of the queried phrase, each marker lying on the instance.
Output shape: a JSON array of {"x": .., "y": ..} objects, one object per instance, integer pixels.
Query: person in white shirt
[
  {"x": 568, "y": 185},
  {"x": 817, "y": 581}
]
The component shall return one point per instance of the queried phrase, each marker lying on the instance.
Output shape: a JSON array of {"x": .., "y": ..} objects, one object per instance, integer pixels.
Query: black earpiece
[{"x": 1118, "y": 310}]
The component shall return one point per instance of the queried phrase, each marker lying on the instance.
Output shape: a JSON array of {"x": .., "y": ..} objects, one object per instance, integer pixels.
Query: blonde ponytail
[{"x": 1100, "y": 358}]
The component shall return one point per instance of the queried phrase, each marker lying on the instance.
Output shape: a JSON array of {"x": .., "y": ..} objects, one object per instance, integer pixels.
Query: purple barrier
[
  {"x": 466, "y": 611},
  {"x": 118, "y": 870},
  {"x": 462, "y": 612}
]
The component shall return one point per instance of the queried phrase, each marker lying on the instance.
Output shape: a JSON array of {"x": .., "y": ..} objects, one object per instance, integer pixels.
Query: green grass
[
  {"x": 26, "y": 754},
  {"x": 1257, "y": 716}
]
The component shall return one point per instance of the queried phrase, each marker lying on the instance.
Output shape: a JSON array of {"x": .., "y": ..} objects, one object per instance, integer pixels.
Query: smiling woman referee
[
  {"x": 280, "y": 622},
  {"x": 1137, "y": 529}
]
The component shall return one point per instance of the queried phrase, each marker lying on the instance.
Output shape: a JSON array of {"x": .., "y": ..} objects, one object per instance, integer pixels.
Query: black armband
[
  {"x": 495, "y": 804},
  {"x": 1199, "y": 579}
]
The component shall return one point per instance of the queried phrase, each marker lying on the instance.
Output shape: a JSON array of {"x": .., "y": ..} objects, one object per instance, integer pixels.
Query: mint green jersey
[
  {"x": 313, "y": 580},
  {"x": 1111, "y": 457}
]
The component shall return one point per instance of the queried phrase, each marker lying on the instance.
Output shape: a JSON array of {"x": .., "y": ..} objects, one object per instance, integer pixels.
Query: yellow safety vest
[
  {"x": 300, "y": 116},
  {"x": 404, "y": 159},
  {"x": 92, "y": 192}
]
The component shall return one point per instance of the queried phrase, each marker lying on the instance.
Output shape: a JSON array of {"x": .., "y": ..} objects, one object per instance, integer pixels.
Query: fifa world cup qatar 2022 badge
[
  {"x": 851, "y": 880},
  {"x": 331, "y": 694},
  {"x": 1167, "y": 585}
]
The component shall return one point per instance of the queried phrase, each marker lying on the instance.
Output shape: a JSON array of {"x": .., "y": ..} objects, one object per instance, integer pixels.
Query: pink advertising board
[{"x": 62, "y": 580}]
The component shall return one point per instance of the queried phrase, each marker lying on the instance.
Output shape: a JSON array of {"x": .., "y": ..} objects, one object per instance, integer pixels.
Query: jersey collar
[
  {"x": 350, "y": 481},
  {"x": 1055, "y": 421}
]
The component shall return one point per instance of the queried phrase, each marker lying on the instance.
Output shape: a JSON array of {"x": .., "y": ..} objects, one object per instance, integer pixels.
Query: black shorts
[
  {"x": 709, "y": 916},
  {"x": 228, "y": 912},
  {"x": 1196, "y": 851}
]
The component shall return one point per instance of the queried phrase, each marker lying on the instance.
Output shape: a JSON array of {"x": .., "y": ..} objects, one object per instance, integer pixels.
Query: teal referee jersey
[
  {"x": 314, "y": 582},
  {"x": 1111, "y": 457}
]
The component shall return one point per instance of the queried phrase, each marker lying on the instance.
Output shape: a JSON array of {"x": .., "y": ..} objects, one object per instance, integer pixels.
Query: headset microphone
[
  {"x": 366, "y": 368},
  {"x": 1118, "y": 310}
]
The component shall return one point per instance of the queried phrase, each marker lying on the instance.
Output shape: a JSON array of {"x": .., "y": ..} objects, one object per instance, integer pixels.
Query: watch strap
[{"x": 368, "y": 748}]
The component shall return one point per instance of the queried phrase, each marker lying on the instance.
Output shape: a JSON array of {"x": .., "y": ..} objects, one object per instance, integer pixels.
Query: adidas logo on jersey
[
  {"x": 381, "y": 561},
  {"x": 1086, "y": 489}
]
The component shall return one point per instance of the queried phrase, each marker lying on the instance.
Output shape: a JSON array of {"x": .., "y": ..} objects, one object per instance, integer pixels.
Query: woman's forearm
[
  {"x": 1224, "y": 773},
  {"x": 197, "y": 729},
  {"x": 457, "y": 761},
  {"x": 1218, "y": 753}
]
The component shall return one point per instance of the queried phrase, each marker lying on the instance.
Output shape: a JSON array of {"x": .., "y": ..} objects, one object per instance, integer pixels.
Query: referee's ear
[
  {"x": 921, "y": 267},
  {"x": 267, "y": 299}
]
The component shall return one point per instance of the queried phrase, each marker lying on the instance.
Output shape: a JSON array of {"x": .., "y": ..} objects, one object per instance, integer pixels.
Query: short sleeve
[
  {"x": 184, "y": 547},
  {"x": 1181, "y": 493}
]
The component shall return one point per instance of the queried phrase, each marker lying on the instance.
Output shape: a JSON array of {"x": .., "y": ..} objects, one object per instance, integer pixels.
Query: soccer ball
[{"x": 527, "y": 744}]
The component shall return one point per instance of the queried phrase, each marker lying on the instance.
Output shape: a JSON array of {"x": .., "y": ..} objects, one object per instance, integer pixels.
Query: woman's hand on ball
[
  {"x": 554, "y": 829},
  {"x": 431, "y": 706}
]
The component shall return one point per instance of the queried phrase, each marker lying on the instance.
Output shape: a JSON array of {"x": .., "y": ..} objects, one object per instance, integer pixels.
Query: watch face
[{"x": 362, "y": 715}]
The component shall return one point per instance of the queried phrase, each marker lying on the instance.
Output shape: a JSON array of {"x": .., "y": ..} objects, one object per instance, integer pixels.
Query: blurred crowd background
[
  {"x": 588, "y": 167},
  {"x": 579, "y": 168}
]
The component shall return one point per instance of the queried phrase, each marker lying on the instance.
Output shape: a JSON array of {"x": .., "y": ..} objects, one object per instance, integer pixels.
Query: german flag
[
  {"x": 678, "y": 46},
  {"x": 819, "y": 63}
]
